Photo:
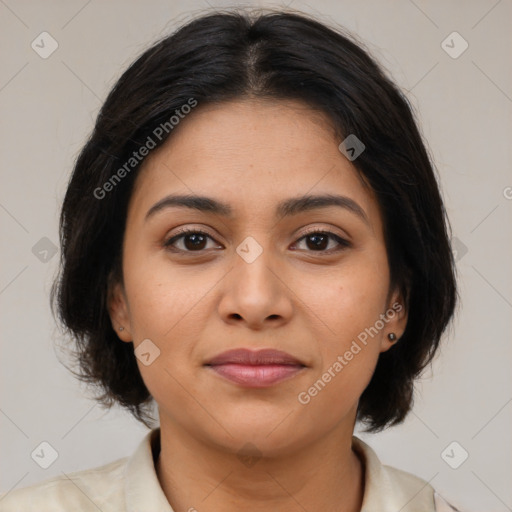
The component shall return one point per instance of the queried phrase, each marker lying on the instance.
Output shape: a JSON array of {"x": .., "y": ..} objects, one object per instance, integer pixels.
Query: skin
[{"x": 309, "y": 302}]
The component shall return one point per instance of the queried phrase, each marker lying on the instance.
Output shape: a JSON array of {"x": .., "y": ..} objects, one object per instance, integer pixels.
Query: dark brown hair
[{"x": 282, "y": 55}]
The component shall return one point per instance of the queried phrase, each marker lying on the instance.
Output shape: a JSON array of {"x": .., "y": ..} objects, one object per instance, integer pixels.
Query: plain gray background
[{"x": 464, "y": 104}]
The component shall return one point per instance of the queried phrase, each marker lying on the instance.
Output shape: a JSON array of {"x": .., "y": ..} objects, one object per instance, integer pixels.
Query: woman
[{"x": 253, "y": 238}]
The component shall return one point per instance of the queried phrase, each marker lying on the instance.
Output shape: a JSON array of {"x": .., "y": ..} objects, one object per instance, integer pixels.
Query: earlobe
[{"x": 388, "y": 341}]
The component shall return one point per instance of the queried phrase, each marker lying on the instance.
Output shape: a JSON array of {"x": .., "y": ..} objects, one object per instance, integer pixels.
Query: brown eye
[
  {"x": 318, "y": 241},
  {"x": 193, "y": 240}
]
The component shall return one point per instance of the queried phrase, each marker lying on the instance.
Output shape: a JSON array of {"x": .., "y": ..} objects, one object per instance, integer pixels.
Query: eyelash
[{"x": 187, "y": 231}]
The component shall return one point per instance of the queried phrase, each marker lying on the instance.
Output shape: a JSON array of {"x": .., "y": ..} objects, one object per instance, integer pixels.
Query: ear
[
  {"x": 396, "y": 315},
  {"x": 119, "y": 311}
]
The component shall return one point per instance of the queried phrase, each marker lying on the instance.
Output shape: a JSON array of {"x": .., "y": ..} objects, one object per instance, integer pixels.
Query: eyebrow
[{"x": 286, "y": 208}]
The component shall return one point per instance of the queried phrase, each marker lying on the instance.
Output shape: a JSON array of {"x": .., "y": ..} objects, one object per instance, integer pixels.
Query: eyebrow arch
[{"x": 286, "y": 208}]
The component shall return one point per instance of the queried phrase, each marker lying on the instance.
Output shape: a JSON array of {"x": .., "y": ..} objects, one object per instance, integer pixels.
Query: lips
[
  {"x": 255, "y": 369},
  {"x": 254, "y": 358}
]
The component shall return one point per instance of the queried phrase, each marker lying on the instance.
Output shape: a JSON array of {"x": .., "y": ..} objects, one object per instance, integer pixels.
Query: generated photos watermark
[
  {"x": 158, "y": 133},
  {"x": 304, "y": 397}
]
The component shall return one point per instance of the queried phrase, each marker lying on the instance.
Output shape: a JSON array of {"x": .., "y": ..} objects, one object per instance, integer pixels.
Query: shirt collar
[
  {"x": 143, "y": 492},
  {"x": 386, "y": 489},
  {"x": 389, "y": 489}
]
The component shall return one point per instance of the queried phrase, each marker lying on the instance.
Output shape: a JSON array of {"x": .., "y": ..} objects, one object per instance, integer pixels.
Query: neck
[{"x": 326, "y": 475}]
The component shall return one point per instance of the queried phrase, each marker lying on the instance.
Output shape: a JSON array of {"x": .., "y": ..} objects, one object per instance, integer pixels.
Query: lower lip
[{"x": 253, "y": 376}]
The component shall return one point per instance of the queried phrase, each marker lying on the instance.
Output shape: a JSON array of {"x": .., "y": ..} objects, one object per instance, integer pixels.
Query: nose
[{"x": 255, "y": 292}]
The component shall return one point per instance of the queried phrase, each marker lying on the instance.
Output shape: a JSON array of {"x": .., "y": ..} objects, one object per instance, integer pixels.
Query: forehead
[{"x": 253, "y": 154}]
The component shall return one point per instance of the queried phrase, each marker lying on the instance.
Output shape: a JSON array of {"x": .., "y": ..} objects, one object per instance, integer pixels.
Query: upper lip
[{"x": 254, "y": 357}]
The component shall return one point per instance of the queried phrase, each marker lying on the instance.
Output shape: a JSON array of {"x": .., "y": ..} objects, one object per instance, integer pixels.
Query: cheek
[
  {"x": 167, "y": 307},
  {"x": 162, "y": 296},
  {"x": 337, "y": 388},
  {"x": 349, "y": 298},
  {"x": 348, "y": 303}
]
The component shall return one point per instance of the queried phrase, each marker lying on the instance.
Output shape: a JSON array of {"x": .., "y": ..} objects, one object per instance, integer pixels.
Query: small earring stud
[
  {"x": 392, "y": 336},
  {"x": 121, "y": 328}
]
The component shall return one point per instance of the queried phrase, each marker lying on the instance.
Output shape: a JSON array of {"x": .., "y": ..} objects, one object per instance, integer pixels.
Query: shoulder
[
  {"x": 410, "y": 490},
  {"x": 406, "y": 482},
  {"x": 99, "y": 488},
  {"x": 389, "y": 489},
  {"x": 130, "y": 483}
]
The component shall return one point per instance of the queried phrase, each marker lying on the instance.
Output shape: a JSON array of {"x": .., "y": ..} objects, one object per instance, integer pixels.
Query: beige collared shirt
[{"x": 131, "y": 484}]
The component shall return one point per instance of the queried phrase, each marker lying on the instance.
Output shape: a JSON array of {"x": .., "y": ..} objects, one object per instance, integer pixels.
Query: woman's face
[{"x": 255, "y": 280}]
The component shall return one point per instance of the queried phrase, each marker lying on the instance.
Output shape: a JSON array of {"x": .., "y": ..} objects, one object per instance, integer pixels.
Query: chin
[{"x": 266, "y": 433}]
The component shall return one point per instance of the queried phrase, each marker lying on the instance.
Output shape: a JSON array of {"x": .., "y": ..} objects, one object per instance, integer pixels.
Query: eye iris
[
  {"x": 197, "y": 240},
  {"x": 317, "y": 243}
]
